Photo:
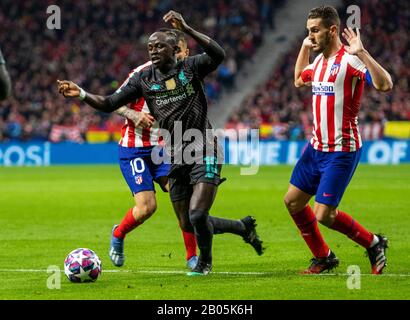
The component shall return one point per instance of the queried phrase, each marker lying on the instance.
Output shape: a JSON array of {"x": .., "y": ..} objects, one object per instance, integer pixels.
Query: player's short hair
[
  {"x": 175, "y": 33},
  {"x": 180, "y": 36},
  {"x": 328, "y": 15},
  {"x": 172, "y": 38}
]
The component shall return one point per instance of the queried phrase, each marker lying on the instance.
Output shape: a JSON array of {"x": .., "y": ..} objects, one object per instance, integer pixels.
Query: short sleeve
[
  {"x": 202, "y": 64},
  {"x": 358, "y": 69},
  {"x": 357, "y": 66},
  {"x": 307, "y": 74}
]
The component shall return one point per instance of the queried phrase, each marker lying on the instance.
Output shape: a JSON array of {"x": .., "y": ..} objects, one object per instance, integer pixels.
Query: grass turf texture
[{"x": 47, "y": 212}]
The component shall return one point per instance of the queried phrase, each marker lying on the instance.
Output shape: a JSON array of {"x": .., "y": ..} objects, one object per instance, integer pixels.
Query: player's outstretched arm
[
  {"x": 102, "y": 103},
  {"x": 211, "y": 47},
  {"x": 71, "y": 90},
  {"x": 5, "y": 82},
  {"x": 302, "y": 61},
  {"x": 140, "y": 119},
  {"x": 380, "y": 77}
]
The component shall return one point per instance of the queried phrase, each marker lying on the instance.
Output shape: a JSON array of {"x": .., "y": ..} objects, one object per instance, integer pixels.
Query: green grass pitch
[{"x": 47, "y": 212}]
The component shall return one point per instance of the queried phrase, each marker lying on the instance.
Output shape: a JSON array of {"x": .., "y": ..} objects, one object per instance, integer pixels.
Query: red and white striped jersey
[
  {"x": 337, "y": 86},
  {"x": 133, "y": 137}
]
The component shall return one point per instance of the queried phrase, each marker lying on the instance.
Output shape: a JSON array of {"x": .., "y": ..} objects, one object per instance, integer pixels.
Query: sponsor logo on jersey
[
  {"x": 323, "y": 88},
  {"x": 190, "y": 89},
  {"x": 170, "y": 84},
  {"x": 179, "y": 94}
]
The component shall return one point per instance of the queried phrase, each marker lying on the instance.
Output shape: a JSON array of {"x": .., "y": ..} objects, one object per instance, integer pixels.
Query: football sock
[
  {"x": 351, "y": 228},
  {"x": 127, "y": 225},
  {"x": 203, "y": 232},
  {"x": 308, "y": 226},
  {"x": 374, "y": 241},
  {"x": 190, "y": 244},
  {"x": 227, "y": 225}
]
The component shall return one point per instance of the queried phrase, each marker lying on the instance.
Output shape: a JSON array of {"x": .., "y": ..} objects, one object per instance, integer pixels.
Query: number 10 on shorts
[{"x": 137, "y": 166}]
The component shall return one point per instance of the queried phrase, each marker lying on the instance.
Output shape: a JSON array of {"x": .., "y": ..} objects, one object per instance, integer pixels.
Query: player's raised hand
[
  {"x": 307, "y": 43},
  {"x": 354, "y": 41},
  {"x": 68, "y": 88},
  {"x": 176, "y": 19}
]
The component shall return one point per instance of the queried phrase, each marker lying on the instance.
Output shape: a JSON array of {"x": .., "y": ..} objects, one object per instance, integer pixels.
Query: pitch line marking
[
  {"x": 145, "y": 271},
  {"x": 220, "y": 272}
]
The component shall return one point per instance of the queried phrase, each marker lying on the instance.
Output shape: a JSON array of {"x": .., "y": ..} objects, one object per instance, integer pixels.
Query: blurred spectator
[
  {"x": 97, "y": 46},
  {"x": 284, "y": 111}
]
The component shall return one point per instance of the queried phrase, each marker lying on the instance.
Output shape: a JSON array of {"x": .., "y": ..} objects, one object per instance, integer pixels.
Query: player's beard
[{"x": 324, "y": 44}]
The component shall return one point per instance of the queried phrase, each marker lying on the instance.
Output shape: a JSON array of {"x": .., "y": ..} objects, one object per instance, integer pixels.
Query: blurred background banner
[
  {"x": 252, "y": 89},
  {"x": 397, "y": 129},
  {"x": 236, "y": 153}
]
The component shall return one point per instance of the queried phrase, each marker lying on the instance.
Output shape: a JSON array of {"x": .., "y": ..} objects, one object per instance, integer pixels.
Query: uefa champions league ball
[{"x": 82, "y": 265}]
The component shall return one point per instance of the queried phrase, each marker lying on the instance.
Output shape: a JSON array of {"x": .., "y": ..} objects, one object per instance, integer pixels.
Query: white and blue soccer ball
[{"x": 82, "y": 265}]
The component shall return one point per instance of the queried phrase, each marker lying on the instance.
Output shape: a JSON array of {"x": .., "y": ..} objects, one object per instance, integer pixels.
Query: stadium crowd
[
  {"x": 281, "y": 111},
  {"x": 98, "y": 44}
]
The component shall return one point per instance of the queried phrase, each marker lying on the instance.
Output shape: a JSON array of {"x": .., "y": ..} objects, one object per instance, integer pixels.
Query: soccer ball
[{"x": 82, "y": 265}]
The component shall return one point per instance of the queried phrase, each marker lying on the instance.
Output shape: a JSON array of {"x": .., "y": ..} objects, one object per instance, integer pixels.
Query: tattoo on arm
[{"x": 128, "y": 113}]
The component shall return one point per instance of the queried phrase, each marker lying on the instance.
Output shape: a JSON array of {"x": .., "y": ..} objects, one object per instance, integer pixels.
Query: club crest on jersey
[
  {"x": 323, "y": 88},
  {"x": 335, "y": 69},
  {"x": 138, "y": 179},
  {"x": 170, "y": 84}
]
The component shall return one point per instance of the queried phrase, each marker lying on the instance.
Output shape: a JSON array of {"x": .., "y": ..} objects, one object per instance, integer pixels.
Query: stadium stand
[
  {"x": 99, "y": 61},
  {"x": 98, "y": 44},
  {"x": 282, "y": 112}
]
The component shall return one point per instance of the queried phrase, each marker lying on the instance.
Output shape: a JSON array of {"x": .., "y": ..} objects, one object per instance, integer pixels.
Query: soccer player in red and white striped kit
[{"x": 337, "y": 77}]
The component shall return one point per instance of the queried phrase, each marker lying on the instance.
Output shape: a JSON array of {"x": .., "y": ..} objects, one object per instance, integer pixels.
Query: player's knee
[
  {"x": 325, "y": 216},
  {"x": 292, "y": 204},
  {"x": 322, "y": 218},
  {"x": 198, "y": 217},
  {"x": 146, "y": 209}
]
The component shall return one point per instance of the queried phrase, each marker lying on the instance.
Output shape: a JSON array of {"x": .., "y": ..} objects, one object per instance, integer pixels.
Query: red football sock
[
  {"x": 190, "y": 244},
  {"x": 351, "y": 228},
  {"x": 127, "y": 224},
  {"x": 307, "y": 224}
]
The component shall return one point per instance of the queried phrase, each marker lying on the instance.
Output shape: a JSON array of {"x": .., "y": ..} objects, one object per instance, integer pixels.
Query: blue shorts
[
  {"x": 325, "y": 174},
  {"x": 138, "y": 169}
]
